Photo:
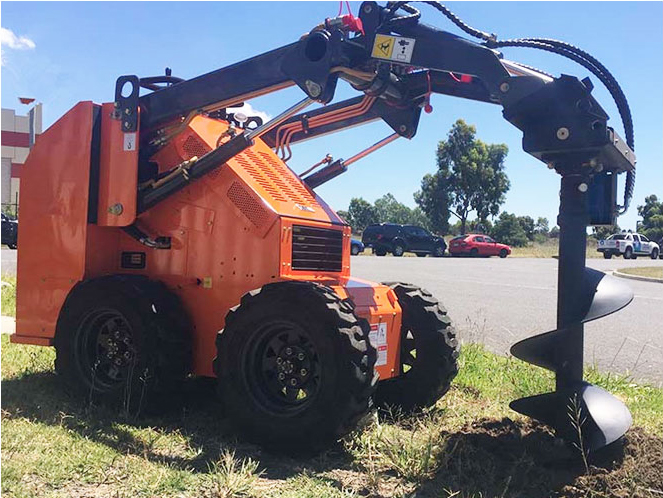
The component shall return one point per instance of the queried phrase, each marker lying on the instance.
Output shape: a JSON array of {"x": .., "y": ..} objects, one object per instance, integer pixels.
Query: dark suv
[
  {"x": 398, "y": 239},
  {"x": 9, "y": 231}
]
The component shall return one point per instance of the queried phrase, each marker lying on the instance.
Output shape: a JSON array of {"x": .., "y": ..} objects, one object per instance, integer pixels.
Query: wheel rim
[
  {"x": 439, "y": 251},
  {"x": 398, "y": 250},
  {"x": 282, "y": 368},
  {"x": 105, "y": 348}
]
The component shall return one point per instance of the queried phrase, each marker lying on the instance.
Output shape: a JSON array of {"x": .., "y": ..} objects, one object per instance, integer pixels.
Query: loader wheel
[
  {"x": 295, "y": 367},
  {"x": 429, "y": 352},
  {"x": 123, "y": 341}
]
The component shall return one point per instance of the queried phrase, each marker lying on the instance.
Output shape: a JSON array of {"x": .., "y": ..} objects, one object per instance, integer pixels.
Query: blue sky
[{"x": 65, "y": 52}]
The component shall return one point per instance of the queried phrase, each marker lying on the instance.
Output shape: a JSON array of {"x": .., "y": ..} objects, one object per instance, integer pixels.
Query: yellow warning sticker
[
  {"x": 394, "y": 48},
  {"x": 383, "y": 46}
]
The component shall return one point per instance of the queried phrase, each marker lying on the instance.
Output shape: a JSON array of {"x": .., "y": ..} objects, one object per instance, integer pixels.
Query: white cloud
[
  {"x": 248, "y": 110},
  {"x": 10, "y": 40}
]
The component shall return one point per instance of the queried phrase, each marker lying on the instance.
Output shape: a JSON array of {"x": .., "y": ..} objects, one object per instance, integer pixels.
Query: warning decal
[
  {"x": 378, "y": 338},
  {"x": 395, "y": 48}
]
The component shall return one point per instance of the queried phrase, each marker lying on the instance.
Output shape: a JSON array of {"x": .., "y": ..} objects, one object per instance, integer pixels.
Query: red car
[{"x": 476, "y": 245}]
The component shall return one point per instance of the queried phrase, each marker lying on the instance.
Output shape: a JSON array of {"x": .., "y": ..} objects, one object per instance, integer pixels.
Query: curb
[
  {"x": 7, "y": 324},
  {"x": 617, "y": 273}
]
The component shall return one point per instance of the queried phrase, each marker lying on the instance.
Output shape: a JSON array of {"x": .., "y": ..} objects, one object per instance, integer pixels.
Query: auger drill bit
[{"x": 583, "y": 295}]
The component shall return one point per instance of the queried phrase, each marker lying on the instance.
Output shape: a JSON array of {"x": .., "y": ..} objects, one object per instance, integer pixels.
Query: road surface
[{"x": 500, "y": 301}]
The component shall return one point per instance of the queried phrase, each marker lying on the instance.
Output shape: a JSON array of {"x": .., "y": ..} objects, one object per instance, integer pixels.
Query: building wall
[{"x": 18, "y": 136}]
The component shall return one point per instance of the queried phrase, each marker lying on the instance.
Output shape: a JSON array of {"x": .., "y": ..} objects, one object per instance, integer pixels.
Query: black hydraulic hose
[{"x": 558, "y": 47}]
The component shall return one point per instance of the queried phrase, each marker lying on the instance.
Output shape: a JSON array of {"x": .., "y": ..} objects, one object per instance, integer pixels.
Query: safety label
[
  {"x": 395, "y": 48},
  {"x": 378, "y": 338},
  {"x": 130, "y": 141}
]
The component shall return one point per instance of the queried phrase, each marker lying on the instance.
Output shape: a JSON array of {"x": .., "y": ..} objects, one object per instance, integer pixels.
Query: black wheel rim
[
  {"x": 105, "y": 349},
  {"x": 282, "y": 368}
]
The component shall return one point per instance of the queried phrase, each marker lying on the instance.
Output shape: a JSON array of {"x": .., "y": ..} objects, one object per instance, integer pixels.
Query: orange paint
[{"x": 231, "y": 232}]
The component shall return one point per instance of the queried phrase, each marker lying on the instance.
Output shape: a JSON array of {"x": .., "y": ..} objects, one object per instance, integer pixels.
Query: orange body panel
[
  {"x": 118, "y": 172},
  {"x": 231, "y": 232},
  {"x": 54, "y": 209}
]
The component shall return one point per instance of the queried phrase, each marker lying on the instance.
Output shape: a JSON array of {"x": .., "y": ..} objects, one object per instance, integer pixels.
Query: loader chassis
[{"x": 183, "y": 214}]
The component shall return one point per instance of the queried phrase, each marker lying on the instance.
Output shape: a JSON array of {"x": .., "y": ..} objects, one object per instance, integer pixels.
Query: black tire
[
  {"x": 354, "y": 250},
  {"x": 421, "y": 254},
  {"x": 654, "y": 254},
  {"x": 455, "y": 254},
  {"x": 303, "y": 335},
  {"x": 427, "y": 329},
  {"x": 474, "y": 252},
  {"x": 380, "y": 252},
  {"x": 607, "y": 255},
  {"x": 503, "y": 253},
  {"x": 123, "y": 341},
  {"x": 628, "y": 253},
  {"x": 398, "y": 250},
  {"x": 438, "y": 252},
  {"x": 12, "y": 246}
]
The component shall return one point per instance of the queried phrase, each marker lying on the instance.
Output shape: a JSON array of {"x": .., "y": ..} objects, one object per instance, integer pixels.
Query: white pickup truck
[{"x": 630, "y": 245}]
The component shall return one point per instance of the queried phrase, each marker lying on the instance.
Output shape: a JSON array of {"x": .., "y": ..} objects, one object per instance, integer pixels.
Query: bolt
[
  {"x": 127, "y": 355},
  {"x": 504, "y": 87},
  {"x": 402, "y": 128},
  {"x": 303, "y": 372},
  {"x": 279, "y": 360},
  {"x": 563, "y": 133},
  {"x": 293, "y": 382},
  {"x": 582, "y": 187},
  {"x": 116, "y": 209},
  {"x": 314, "y": 90},
  {"x": 368, "y": 9},
  {"x": 281, "y": 376},
  {"x": 118, "y": 362},
  {"x": 117, "y": 334},
  {"x": 300, "y": 356},
  {"x": 288, "y": 351}
]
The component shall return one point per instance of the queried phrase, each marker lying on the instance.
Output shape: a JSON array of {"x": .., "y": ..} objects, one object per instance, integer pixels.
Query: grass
[
  {"x": 550, "y": 249},
  {"x": 469, "y": 445},
  {"x": 645, "y": 271},
  {"x": 8, "y": 295}
]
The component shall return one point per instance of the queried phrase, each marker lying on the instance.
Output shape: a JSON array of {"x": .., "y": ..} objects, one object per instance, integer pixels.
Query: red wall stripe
[
  {"x": 16, "y": 170},
  {"x": 15, "y": 139}
]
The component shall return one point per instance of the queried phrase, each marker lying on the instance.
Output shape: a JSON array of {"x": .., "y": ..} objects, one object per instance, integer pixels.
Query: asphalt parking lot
[{"x": 500, "y": 301}]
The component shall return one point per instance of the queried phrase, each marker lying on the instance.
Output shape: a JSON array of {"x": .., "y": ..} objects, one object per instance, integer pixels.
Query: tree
[
  {"x": 434, "y": 200},
  {"x": 508, "y": 230},
  {"x": 603, "y": 232},
  {"x": 542, "y": 226},
  {"x": 527, "y": 222},
  {"x": 360, "y": 214},
  {"x": 470, "y": 177},
  {"x": 652, "y": 218},
  {"x": 389, "y": 210}
]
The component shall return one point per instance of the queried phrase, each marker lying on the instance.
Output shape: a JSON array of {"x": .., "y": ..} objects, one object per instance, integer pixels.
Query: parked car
[
  {"x": 9, "y": 231},
  {"x": 475, "y": 245},
  {"x": 399, "y": 239},
  {"x": 356, "y": 247},
  {"x": 630, "y": 245},
  {"x": 660, "y": 245}
]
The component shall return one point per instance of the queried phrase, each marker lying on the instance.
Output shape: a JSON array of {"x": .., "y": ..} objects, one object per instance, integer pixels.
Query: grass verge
[
  {"x": 8, "y": 295},
  {"x": 644, "y": 271},
  {"x": 550, "y": 249},
  {"x": 469, "y": 445}
]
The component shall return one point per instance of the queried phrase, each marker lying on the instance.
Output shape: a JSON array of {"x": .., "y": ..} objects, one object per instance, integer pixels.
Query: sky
[{"x": 64, "y": 52}]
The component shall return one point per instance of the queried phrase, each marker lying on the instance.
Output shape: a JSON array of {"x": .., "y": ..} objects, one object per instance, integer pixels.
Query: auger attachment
[{"x": 583, "y": 295}]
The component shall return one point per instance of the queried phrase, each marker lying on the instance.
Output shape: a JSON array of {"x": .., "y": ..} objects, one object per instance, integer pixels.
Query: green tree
[
  {"x": 434, "y": 200},
  {"x": 508, "y": 230},
  {"x": 652, "y": 218},
  {"x": 360, "y": 214},
  {"x": 528, "y": 226},
  {"x": 542, "y": 226},
  {"x": 603, "y": 232},
  {"x": 389, "y": 210},
  {"x": 470, "y": 177}
]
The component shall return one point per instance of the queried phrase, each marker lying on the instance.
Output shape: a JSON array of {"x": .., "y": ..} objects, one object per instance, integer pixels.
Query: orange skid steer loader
[{"x": 163, "y": 236}]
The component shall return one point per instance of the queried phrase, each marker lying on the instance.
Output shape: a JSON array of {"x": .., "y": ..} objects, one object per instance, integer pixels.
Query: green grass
[
  {"x": 469, "y": 445},
  {"x": 8, "y": 295},
  {"x": 645, "y": 271},
  {"x": 550, "y": 249}
]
